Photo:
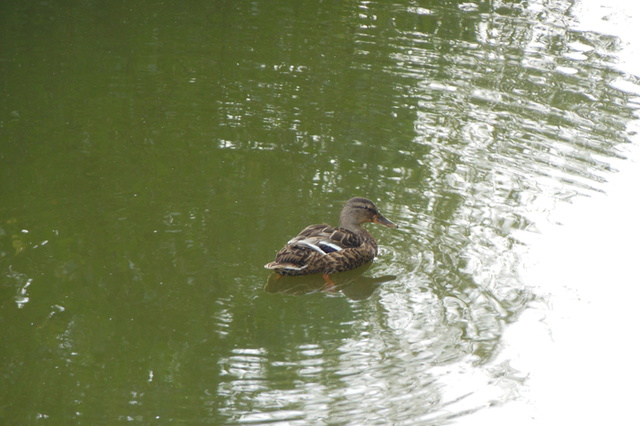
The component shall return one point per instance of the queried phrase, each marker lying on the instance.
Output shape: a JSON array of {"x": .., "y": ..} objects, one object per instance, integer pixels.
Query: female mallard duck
[{"x": 325, "y": 249}]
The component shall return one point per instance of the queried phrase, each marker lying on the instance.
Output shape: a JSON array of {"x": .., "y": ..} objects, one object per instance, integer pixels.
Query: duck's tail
[{"x": 281, "y": 266}]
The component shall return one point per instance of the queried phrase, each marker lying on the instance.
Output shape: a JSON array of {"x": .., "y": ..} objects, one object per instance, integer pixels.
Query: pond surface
[{"x": 155, "y": 156}]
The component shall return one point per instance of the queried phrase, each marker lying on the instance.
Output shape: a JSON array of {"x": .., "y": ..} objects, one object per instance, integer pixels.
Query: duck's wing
[
  {"x": 325, "y": 239},
  {"x": 321, "y": 248}
]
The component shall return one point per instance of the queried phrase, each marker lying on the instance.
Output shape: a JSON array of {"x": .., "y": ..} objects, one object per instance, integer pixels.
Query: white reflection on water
[
  {"x": 523, "y": 151},
  {"x": 576, "y": 346}
]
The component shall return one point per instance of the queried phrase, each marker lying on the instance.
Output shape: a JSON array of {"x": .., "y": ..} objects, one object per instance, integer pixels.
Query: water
[{"x": 155, "y": 156}]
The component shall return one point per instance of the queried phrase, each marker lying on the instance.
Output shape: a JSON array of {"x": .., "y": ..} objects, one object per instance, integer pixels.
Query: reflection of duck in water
[
  {"x": 325, "y": 249},
  {"x": 351, "y": 283}
]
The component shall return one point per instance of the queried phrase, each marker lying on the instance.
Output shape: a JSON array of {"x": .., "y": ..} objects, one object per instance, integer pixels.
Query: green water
[{"x": 154, "y": 156}]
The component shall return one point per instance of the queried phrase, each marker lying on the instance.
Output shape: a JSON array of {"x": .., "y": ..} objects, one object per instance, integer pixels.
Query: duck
[{"x": 326, "y": 249}]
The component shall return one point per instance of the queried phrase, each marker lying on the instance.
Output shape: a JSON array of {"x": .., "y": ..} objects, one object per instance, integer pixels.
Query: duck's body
[{"x": 326, "y": 249}]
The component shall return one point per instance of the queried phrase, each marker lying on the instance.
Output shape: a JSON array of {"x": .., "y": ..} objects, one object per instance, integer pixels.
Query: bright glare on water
[{"x": 155, "y": 156}]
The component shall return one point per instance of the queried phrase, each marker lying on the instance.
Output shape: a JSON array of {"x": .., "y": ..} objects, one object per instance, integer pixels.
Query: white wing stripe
[
  {"x": 313, "y": 246},
  {"x": 292, "y": 268}
]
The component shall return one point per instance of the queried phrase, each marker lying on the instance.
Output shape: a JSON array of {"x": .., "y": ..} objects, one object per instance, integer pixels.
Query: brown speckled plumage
[{"x": 326, "y": 249}]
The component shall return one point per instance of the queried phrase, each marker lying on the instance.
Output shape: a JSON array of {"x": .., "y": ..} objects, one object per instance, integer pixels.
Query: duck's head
[{"x": 361, "y": 210}]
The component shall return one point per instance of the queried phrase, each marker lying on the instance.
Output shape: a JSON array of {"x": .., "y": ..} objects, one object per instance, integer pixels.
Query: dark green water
[{"x": 155, "y": 155}]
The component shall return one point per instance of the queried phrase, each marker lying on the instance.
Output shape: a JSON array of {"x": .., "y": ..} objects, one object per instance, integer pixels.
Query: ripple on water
[{"x": 509, "y": 118}]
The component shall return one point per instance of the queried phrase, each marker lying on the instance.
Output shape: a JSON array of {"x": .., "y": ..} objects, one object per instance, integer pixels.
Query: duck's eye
[{"x": 368, "y": 208}]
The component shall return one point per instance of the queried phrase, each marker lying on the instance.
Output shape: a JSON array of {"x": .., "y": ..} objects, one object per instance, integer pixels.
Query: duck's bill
[{"x": 384, "y": 221}]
